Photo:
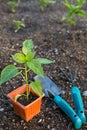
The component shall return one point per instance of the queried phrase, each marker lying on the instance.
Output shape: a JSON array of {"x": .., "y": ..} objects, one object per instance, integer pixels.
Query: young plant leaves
[
  {"x": 44, "y": 61},
  {"x": 13, "y": 5},
  {"x": 7, "y": 73},
  {"x": 27, "y": 45},
  {"x": 74, "y": 10},
  {"x": 29, "y": 63},
  {"x": 67, "y": 4},
  {"x": 0, "y": 80},
  {"x": 37, "y": 87},
  {"x": 81, "y": 13},
  {"x": 30, "y": 55},
  {"x": 17, "y": 96},
  {"x": 19, "y": 57},
  {"x": 81, "y": 2},
  {"x": 36, "y": 67},
  {"x": 18, "y": 25},
  {"x": 44, "y": 3}
]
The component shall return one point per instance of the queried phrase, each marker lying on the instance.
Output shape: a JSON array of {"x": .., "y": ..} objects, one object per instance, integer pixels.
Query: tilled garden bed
[{"x": 52, "y": 39}]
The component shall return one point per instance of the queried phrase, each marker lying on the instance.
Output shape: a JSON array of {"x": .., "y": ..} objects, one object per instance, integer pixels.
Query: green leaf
[
  {"x": 19, "y": 23},
  {"x": 12, "y": 4},
  {"x": 71, "y": 22},
  {"x": 36, "y": 67},
  {"x": 8, "y": 72},
  {"x": 67, "y": 4},
  {"x": 30, "y": 55},
  {"x": 76, "y": 9},
  {"x": 44, "y": 61},
  {"x": 51, "y": 2},
  {"x": 64, "y": 18},
  {"x": 19, "y": 57},
  {"x": 81, "y": 13},
  {"x": 17, "y": 96},
  {"x": 0, "y": 80},
  {"x": 45, "y": 2},
  {"x": 81, "y": 2},
  {"x": 27, "y": 46},
  {"x": 37, "y": 87}
]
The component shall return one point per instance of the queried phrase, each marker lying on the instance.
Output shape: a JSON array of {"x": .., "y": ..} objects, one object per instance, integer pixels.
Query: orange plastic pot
[{"x": 25, "y": 112}]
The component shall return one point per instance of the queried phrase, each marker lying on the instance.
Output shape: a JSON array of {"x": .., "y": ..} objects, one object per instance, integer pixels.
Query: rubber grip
[
  {"x": 77, "y": 99},
  {"x": 68, "y": 111}
]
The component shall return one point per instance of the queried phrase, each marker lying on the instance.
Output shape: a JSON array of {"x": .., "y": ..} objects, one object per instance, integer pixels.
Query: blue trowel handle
[
  {"x": 68, "y": 110},
  {"x": 78, "y": 103}
]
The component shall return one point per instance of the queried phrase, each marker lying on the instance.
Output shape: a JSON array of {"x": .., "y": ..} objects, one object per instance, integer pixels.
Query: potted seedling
[
  {"x": 18, "y": 24},
  {"x": 73, "y": 11},
  {"x": 23, "y": 94},
  {"x": 44, "y": 3},
  {"x": 13, "y": 5}
]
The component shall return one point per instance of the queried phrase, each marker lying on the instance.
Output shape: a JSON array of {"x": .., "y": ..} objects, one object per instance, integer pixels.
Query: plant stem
[{"x": 26, "y": 80}]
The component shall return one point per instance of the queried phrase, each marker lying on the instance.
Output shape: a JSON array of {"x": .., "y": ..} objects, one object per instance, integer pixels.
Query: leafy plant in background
[
  {"x": 73, "y": 11},
  {"x": 18, "y": 24},
  {"x": 13, "y": 5},
  {"x": 29, "y": 62},
  {"x": 44, "y": 3}
]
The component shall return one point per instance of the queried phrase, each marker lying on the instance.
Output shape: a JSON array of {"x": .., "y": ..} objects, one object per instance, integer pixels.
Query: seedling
[
  {"x": 13, "y": 5},
  {"x": 29, "y": 62},
  {"x": 73, "y": 11},
  {"x": 18, "y": 24},
  {"x": 44, "y": 3}
]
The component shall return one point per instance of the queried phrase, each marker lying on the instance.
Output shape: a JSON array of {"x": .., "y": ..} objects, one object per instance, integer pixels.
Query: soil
[
  {"x": 54, "y": 40},
  {"x": 23, "y": 101}
]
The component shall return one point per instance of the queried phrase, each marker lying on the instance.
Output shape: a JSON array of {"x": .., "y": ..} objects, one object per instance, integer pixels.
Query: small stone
[
  {"x": 85, "y": 93},
  {"x": 17, "y": 44},
  {"x": 22, "y": 121},
  {"x": 53, "y": 129},
  {"x": 25, "y": 127},
  {"x": 60, "y": 32},
  {"x": 48, "y": 126},
  {"x": 13, "y": 120},
  {"x": 22, "y": 19},
  {"x": 63, "y": 92},
  {"x": 71, "y": 56},
  {"x": 54, "y": 107},
  {"x": 40, "y": 122},
  {"x": 68, "y": 31},
  {"x": 55, "y": 50},
  {"x": 1, "y": 109},
  {"x": 15, "y": 63},
  {"x": 80, "y": 31}
]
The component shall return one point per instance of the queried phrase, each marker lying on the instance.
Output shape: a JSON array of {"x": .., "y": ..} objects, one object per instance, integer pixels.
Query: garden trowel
[{"x": 51, "y": 90}]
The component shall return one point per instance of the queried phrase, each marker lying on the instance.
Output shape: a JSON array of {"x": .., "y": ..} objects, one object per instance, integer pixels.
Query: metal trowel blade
[{"x": 48, "y": 86}]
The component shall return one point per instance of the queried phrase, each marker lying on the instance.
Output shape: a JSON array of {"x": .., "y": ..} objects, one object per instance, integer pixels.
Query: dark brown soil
[
  {"x": 53, "y": 40},
  {"x": 22, "y": 99}
]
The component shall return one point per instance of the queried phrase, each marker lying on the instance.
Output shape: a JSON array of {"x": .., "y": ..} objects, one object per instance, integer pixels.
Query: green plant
[
  {"x": 29, "y": 62},
  {"x": 44, "y": 3},
  {"x": 18, "y": 24},
  {"x": 13, "y": 5},
  {"x": 73, "y": 11}
]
